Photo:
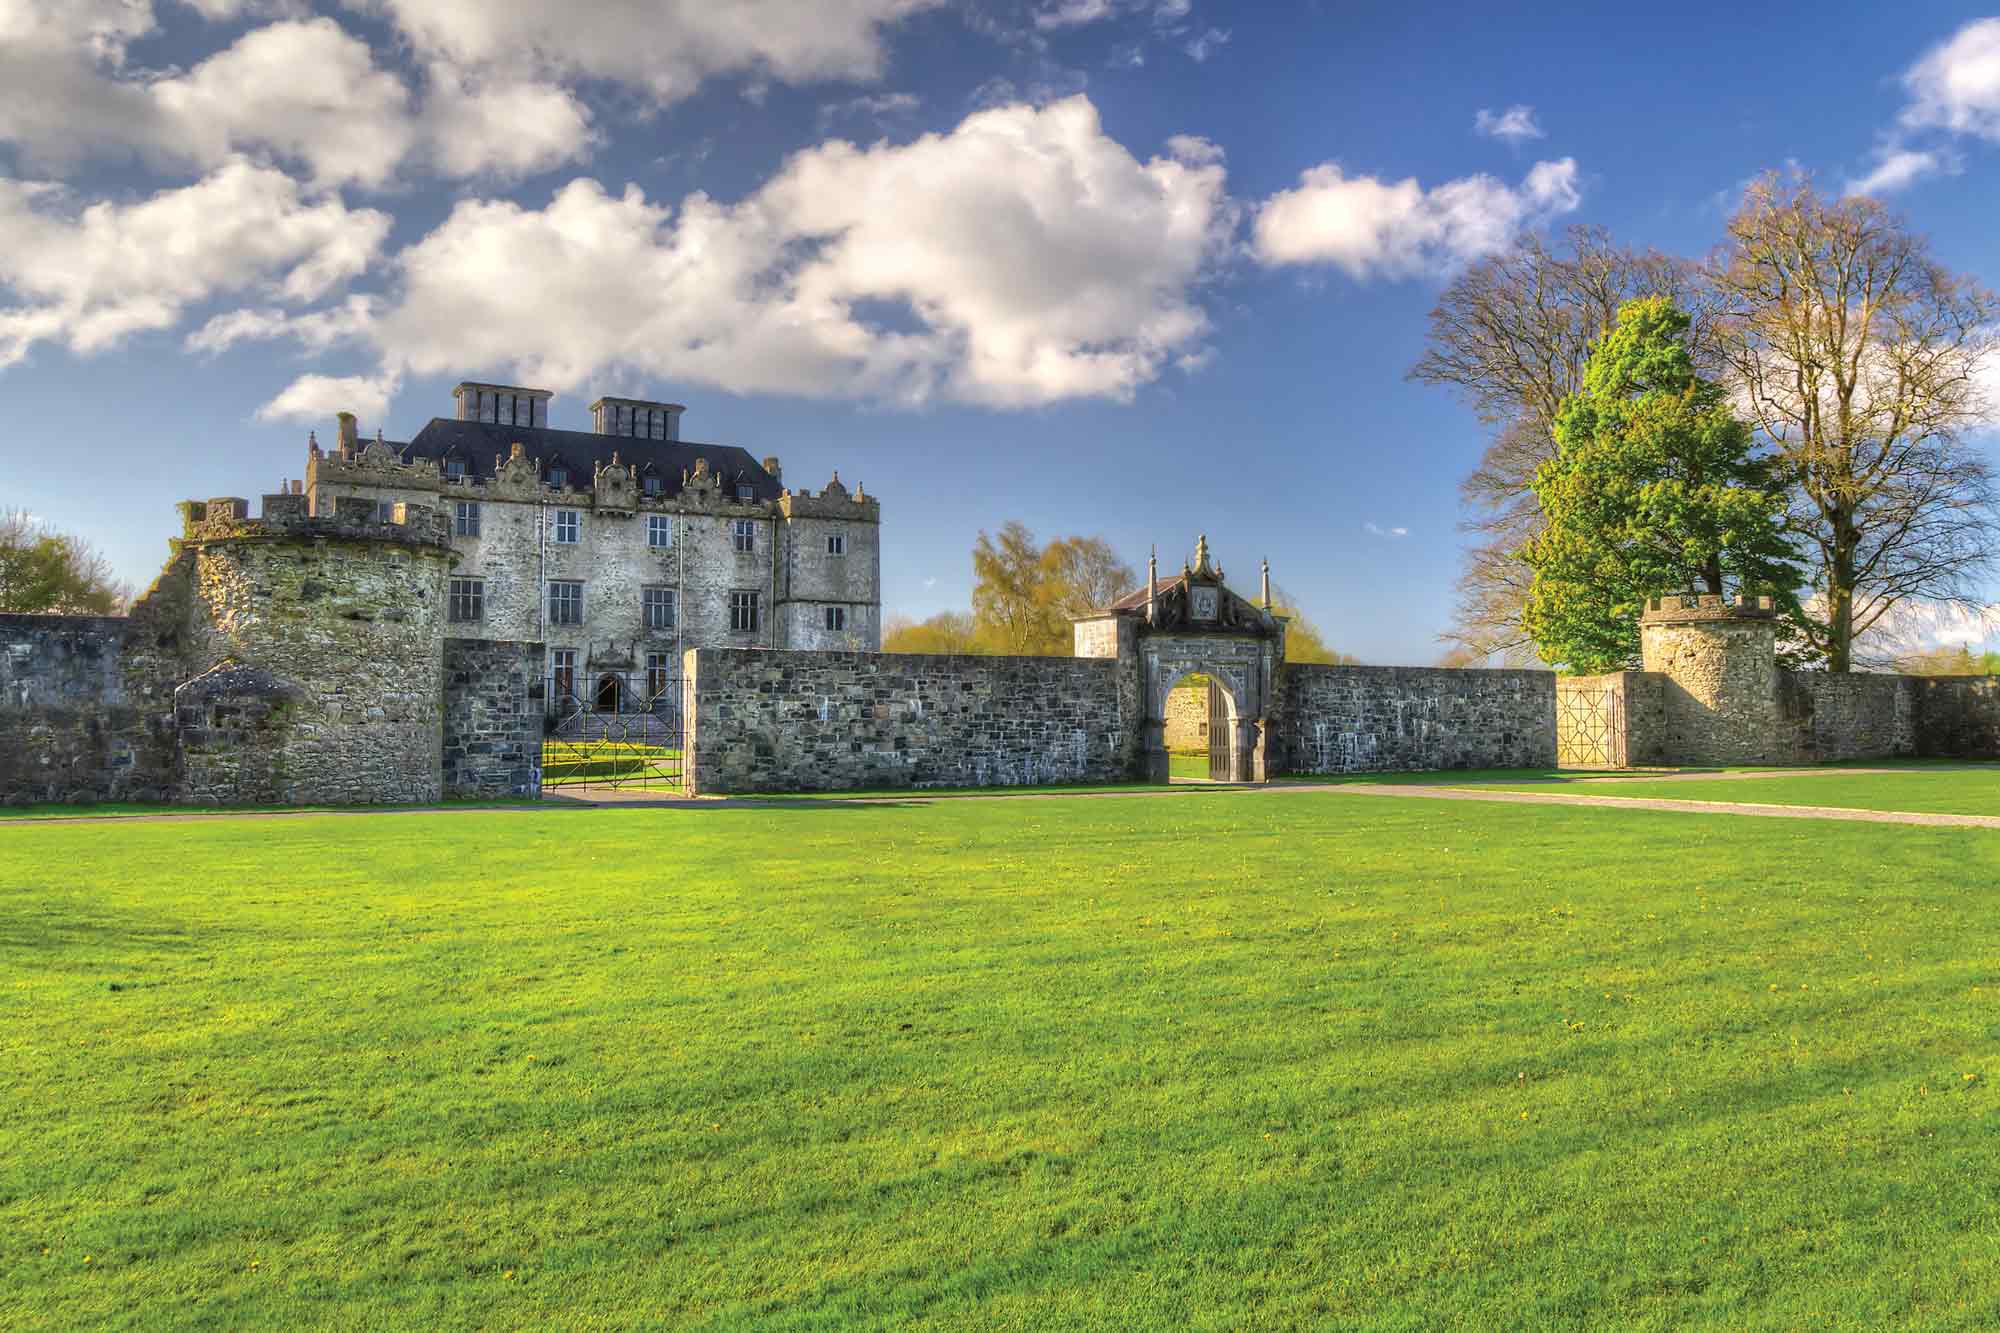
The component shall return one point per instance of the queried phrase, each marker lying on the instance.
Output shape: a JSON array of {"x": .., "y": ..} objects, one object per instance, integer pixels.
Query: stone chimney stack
[
  {"x": 637, "y": 418},
  {"x": 350, "y": 433},
  {"x": 775, "y": 472}
]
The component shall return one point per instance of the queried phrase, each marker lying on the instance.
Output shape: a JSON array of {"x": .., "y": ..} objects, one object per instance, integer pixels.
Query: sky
[{"x": 1136, "y": 268}]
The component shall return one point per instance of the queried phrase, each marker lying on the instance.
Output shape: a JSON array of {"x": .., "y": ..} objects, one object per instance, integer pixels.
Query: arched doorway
[
  {"x": 1199, "y": 718},
  {"x": 610, "y": 693}
]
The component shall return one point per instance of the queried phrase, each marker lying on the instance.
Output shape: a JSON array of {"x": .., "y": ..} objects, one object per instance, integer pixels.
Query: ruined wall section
[
  {"x": 782, "y": 721},
  {"x": 323, "y": 639},
  {"x": 1356, "y": 719},
  {"x": 492, "y": 739}
]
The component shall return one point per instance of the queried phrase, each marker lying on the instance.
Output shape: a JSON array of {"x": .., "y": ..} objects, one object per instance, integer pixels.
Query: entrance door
[
  {"x": 1221, "y": 735},
  {"x": 609, "y": 688}
]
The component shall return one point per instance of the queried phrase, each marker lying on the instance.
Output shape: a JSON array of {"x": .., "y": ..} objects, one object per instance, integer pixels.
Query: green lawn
[
  {"x": 568, "y": 763},
  {"x": 1318, "y": 1062},
  {"x": 1974, "y": 792}
]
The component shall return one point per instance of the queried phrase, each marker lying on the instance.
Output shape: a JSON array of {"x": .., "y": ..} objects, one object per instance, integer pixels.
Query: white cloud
[
  {"x": 100, "y": 28},
  {"x": 665, "y": 50},
  {"x": 878, "y": 107},
  {"x": 308, "y": 91},
  {"x": 501, "y": 124},
  {"x": 1074, "y": 13},
  {"x": 1377, "y": 530},
  {"x": 1515, "y": 125},
  {"x": 1956, "y": 86},
  {"x": 316, "y": 397},
  {"x": 92, "y": 277},
  {"x": 1369, "y": 227},
  {"x": 315, "y": 330},
  {"x": 1022, "y": 258},
  {"x": 1899, "y": 168},
  {"x": 1200, "y": 48},
  {"x": 219, "y": 10}
]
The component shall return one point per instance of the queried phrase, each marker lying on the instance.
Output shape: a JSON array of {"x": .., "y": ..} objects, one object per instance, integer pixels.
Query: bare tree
[
  {"x": 1512, "y": 334},
  {"x": 1858, "y": 356}
]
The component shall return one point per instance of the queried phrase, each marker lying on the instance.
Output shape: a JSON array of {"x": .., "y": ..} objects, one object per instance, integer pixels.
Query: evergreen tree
[{"x": 1654, "y": 487}]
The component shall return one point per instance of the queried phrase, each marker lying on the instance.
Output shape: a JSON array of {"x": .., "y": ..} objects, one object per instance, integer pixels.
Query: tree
[
  {"x": 1959, "y": 661},
  {"x": 1513, "y": 333},
  {"x": 1857, "y": 357},
  {"x": 1303, "y": 640},
  {"x": 42, "y": 570},
  {"x": 1024, "y": 595},
  {"x": 1654, "y": 487},
  {"x": 945, "y": 632}
]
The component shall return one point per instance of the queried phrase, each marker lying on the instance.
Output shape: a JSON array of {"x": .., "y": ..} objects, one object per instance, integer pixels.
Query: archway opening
[
  {"x": 1198, "y": 730},
  {"x": 610, "y": 693}
]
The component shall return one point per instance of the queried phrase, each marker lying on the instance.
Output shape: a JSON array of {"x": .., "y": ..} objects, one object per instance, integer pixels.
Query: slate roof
[
  {"x": 479, "y": 443},
  {"x": 1136, "y": 599}
]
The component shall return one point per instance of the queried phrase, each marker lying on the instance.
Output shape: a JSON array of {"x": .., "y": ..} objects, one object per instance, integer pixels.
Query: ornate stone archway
[{"x": 1191, "y": 623}]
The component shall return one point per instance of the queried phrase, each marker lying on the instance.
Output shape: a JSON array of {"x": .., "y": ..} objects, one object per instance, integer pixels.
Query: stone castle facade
[{"x": 619, "y": 548}]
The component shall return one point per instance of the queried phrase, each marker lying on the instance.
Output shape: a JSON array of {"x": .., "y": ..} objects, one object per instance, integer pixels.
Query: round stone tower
[
  {"x": 1720, "y": 661},
  {"x": 323, "y": 642}
]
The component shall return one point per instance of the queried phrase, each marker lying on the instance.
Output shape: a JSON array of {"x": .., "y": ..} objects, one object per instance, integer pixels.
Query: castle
[{"x": 617, "y": 548}]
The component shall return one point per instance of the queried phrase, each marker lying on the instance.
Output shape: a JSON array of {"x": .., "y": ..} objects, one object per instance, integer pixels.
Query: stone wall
[
  {"x": 492, "y": 718},
  {"x": 84, "y": 715},
  {"x": 1187, "y": 715},
  {"x": 1958, "y": 717},
  {"x": 1829, "y": 718},
  {"x": 1721, "y": 700},
  {"x": 1352, "y": 719},
  {"x": 783, "y": 721}
]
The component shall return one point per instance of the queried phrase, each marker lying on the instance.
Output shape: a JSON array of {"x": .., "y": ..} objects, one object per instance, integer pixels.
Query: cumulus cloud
[
  {"x": 1515, "y": 125},
  {"x": 1369, "y": 227},
  {"x": 1023, "y": 258},
  {"x": 316, "y": 397},
  {"x": 500, "y": 124},
  {"x": 1953, "y": 90},
  {"x": 665, "y": 51},
  {"x": 1956, "y": 86},
  {"x": 1899, "y": 168},
  {"x": 91, "y": 277},
  {"x": 315, "y": 330}
]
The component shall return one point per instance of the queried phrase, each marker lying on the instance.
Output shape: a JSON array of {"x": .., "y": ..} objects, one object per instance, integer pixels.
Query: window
[
  {"x": 541, "y": 412},
  {"x": 657, "y": 678},
  {"x": 657, "y": 425},
  {"x": 562, "y": 674},
  {"x": 385, "y": 511},
  {"x": 466, "y": 522},
  {"x": 489, "y": 406},
  {"x": 659, "y": 607},
  {"x": 468, "y": 599},
  {"x": 744, "y": 491},
  {"x": 565, "y": 602},
  {"x": 659, "y": 531},
  {"x": 745, "y": 531},
  {"x": 743, "y": 607},
  {"x": 568, "y": 524},
  {"x": 454, "y": 469},
  {"x": 654, "y": 486},
  {"x": 837, "y": 544},
  {"x": 836, "y": 617},
  {"x": 558, "y": 476}
]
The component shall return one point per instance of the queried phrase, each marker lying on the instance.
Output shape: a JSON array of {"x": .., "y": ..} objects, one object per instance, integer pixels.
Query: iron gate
[
  {"x": 1590, "y": 724},
  {"x": 616, "y": 731}
]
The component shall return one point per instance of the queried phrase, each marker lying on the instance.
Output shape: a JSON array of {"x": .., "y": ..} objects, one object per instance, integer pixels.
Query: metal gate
[
  {"x": 1590, "y": 723},
  {"x": 1221, "y": 735},
  {"x": 617, "y": 730}
]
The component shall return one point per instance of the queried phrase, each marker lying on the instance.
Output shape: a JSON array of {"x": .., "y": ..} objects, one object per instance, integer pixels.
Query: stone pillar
[
  {"x": 1246, "y": 758},
  {"x": 1719, "y": 661}
]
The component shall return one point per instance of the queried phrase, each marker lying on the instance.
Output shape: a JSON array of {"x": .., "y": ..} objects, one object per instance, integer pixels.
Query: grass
[
  {"x": 1048, "y": 1063},
  {"x": 1973, "y": 792},
  {"x": 569, "y": 763},
  {"x": 1187, "y": 764}
]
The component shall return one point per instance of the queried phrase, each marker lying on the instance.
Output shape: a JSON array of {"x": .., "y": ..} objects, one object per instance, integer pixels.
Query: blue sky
[{"x": 1133, "y": 267}]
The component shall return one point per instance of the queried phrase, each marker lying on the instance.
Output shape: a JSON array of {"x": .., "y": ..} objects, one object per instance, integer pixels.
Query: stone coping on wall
[
  {"x": 1686, "y": 608},
  {"x": 285, "y": 518}
]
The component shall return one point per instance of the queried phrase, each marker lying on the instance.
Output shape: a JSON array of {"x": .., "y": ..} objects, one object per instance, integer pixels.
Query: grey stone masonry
[
  {"x": 76, "y": 722},
  {"x": 819, "y": 721},
  {"x": 1355, "y": 719},
  {"x": 492, "y": 718}
]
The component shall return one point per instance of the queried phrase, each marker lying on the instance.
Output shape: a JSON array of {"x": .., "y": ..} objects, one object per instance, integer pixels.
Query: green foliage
[
  {"x": 44, "y": 571},
  {"x": 1654, "y": 488},
  {"x": 1025, "y": 594},
  {"x": 1029, "y": 1064},
  {"x": 945, "y": 632}
]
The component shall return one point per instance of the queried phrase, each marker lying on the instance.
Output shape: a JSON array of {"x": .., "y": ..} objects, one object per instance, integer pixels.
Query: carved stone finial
[
  {"x": 1267, "y": 583},
  {"x": 1201, "y": 557}
]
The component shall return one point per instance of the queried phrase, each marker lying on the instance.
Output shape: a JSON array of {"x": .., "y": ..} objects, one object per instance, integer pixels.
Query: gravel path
[{"x": 1439, "y": 791}]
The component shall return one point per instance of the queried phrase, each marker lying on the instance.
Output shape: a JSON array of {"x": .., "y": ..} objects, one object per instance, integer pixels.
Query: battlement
[
  {"x": 227, "y": 518},
  {"x": 833, "y": 502},
  {"x": 1691, "y": 608}
]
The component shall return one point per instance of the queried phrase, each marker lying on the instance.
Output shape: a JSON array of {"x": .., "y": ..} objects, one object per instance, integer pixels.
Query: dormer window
[
  {"x": 654, "y": 485},
  {"x": 454, "y": 469},
  {"x": 744, "y": 491},
  {"x": 558, "y": 476}
]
